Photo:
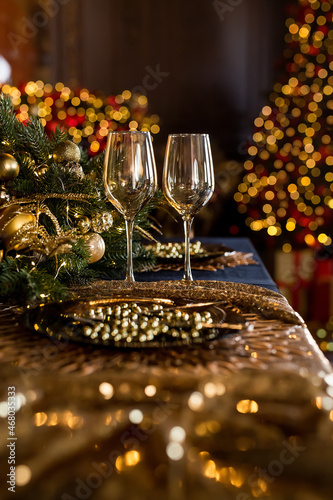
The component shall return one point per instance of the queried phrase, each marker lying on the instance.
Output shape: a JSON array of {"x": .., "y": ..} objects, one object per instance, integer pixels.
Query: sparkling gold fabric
[{"x": 242, "y": 417}]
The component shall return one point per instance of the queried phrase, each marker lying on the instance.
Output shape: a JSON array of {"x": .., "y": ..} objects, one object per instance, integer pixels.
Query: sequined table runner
[{"x": 245, "y": 416}]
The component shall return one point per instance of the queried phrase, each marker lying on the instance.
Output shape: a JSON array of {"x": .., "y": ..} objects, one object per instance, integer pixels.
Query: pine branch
[
  {"x": 32, "y": 139},
  {"x": 57, "y": 136},
  {"x": 8, "y": 124},
  {"x": 27, "y": 283}
]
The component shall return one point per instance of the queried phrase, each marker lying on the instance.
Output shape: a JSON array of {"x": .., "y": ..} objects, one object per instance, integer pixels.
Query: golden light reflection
[
  {"x": 40, "y": 418},
  {"x": 195, "y": 401},
  {"x": 106, "y": 390},
  {"x": 175, "y": 451},
  {"x": 23, "y": 475},
  {"x": 212, "y": 389},
  {"x": 177, "y": 434},
  {"x": 52, "y": 419},
  {"x": 247, "y": 406},
  {"x": 150, "y": 390},
  {"x": 136, "y": 416},
  {"x": 65, "y": 418},
  {"x": 130, "y": 459},
  {"x": 74, "y": 421},
  {"x": 245, "y": 443},
  {"x": 210, "y": 469}
]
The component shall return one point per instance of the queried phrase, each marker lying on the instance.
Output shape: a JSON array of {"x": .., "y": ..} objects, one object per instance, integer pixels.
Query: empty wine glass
[
  {"x": 130, "y": 179},
  {"x": 188, "y": 180}
]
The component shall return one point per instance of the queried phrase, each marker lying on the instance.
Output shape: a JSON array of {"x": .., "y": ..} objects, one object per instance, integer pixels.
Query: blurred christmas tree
[{"x": 288, "y": 187}]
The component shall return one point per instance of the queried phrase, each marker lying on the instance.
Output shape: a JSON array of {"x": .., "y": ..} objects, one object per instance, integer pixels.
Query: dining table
[
  {"x": 166, "y": 389},
  {"x": 255, "y": 274}
]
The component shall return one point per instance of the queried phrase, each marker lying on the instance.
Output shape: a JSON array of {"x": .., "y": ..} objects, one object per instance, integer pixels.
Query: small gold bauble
[
  {"x": 102, "y": 222},
  {"x": 11, "y": 221},
  {"x": 9, "y": 168},
  {"x": 83, "y": 225},
  {"x": 75, "y": 168},
  {"x": 96, "y": 246},
  {"x": 4, "y": 195},
  {"x": 41, "y": 170},
  {"x": 66, "y": 151}
]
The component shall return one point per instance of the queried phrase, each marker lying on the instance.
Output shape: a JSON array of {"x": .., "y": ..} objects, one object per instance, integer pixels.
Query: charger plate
[{"x": 129, "y": 319}]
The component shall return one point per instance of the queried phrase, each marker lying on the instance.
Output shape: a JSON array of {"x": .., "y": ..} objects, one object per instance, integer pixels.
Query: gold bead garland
[
  {"x": 131, "y": 324},
  {"x": 175, "y": 250}
]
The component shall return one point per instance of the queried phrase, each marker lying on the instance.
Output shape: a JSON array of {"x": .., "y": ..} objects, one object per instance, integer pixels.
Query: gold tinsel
[{"x": 33, "y": 235}]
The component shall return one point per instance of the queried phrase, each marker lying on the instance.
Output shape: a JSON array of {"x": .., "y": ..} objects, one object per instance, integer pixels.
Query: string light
[{"x": 88, "y": 117}]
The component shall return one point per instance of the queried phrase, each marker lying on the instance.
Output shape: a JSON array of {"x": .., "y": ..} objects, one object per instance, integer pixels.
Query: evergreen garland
[{"x": 27, "y": 275}]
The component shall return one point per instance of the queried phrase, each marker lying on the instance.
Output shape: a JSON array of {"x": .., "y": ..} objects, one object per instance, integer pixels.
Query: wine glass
[
  {"x": 188, "y": 181},
  {"x": 130, "y": 179}
]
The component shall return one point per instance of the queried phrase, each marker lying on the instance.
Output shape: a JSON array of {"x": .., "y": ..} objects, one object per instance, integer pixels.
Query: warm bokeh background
[
  {"x": 211, "y": 67},
  {"x": 216, "y": 67}
]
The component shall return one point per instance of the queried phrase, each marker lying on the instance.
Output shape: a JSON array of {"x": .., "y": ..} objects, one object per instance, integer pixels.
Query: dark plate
[{"x": 94, "y": 322}]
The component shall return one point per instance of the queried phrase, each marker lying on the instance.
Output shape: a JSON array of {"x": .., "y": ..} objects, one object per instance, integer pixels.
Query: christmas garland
[{"x": 56, "y": 226}]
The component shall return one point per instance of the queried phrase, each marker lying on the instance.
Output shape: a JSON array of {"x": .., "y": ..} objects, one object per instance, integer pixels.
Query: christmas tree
[
  {"x": 287, "y": 190},
  {"x": 56, "y": 226}
]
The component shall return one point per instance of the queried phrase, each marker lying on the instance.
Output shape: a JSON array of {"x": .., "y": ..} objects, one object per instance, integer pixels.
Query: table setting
[{"x": 205, "y": 385}]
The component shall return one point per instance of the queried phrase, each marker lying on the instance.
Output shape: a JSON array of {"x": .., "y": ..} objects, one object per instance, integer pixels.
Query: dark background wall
[
  {"x": 205, "y": 66},
  {"x": 217, "y": 66}
]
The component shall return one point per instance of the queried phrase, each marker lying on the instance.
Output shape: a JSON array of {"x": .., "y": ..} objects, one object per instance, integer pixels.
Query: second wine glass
[
  {"x": 130, "y": 179},
  {"x": 188, "y": 181}
]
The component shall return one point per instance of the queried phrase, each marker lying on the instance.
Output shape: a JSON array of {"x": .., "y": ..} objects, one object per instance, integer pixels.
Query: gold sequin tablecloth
[{"x": 248, "y": 415}]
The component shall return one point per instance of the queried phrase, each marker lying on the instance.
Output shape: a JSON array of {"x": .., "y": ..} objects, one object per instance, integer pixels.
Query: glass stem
[
  {"x": 129, "y": 235},
  {"x": 187, "y": 276}
]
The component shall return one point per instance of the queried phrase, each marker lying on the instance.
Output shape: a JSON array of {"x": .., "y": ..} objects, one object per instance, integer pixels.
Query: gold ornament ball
[
  {"x": 75, "y": 169},
  {"x": 66, "y": 151},
  {"x": 96, "y": 246},
  {"x": 9, "y": 168},
  {"x": 11, "y": 220},
  {"x": 102, "y": 222},
  {"x": 4, "y": 195},
  {"x": 83, "y": 225},
  {"x": 41, "y": 170}
]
